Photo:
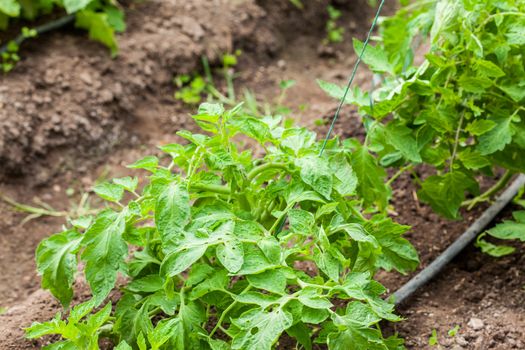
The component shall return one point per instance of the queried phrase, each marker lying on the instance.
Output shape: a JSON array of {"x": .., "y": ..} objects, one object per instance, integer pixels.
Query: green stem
[
  {"x": 261, "y": 168},
  {"x": 220, "y": 189},
  {"x": 502, "y": 182},
  {"x": 399, "y": 173},
  {"x": 31, "y": 209},
  {"x": 225, "y": 312}
]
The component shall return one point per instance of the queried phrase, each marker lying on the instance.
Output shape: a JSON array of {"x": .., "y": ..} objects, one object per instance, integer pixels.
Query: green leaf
[
  {"x": 375, "y": 57},
  {"x": 302, "y": 333},
  {"x": 162, "y": 332},
  {"x": 149, "y": 163},
  {"x": 494, "y": 250},
  {"x": 128, "y": 183},
  {"x": 301, "y": 221},
  {"x": 345, "y": 182},
  {"x": 271, "y": 280},
  {"x": 337, "y": 92},
  {"x": 316, "y": 172},
  {"x": 396, "y": 252},
  {"x": 371, "y": 178},
  {"x": 10, "y": 7},
  {"x": 108, "y": 191},
  {"x": 358, "y": 233},
  {"x": 402, "y": 139},
  {"x": 313, "y": 316},
  {"x": 476, "y": 85},
  {"x": 517, "y": 93},
  {"x": 115, "y": 18},
  {"x": 105, "y": 252},
  {"x": 123, "y": 346},
  {"x": 445, "y": 193},
  {"x": 131, "y": 319},
  {"x": 99, "y": 27},
  {"x": 182, "y": 258},
  {"x": 473, "y": 159},
  {"x": 328, "y": 263},
  {"x": 497, "y": 138},
  {"x": 480, "y": 126},
  {"x": 260, "y": 329},
  {"x": 508, "y": 230},
  {"x": 489, "y": 69},
  {"x": 57, "y": 263},
  {"x": 75, "y": 5},
  {"x": 231, "y": 255},
  {"x": 311, "y": 298},
  {"x": 172, "y": 210}
]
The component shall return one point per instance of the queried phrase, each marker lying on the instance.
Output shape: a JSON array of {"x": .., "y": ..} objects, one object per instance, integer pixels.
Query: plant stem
[
  {"x": 399, "y": 173},
  {"x": 225, "y": 312},
  {"x": 31, "y": 209},
  {"x": 220, "y": 189},
  {"x": 259, "y": 169},
  {"x": 502, "y": 182},
  {"x": 456, "y": 141}
]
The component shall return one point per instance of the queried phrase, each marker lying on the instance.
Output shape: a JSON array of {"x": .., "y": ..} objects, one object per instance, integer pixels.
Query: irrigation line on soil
[
  {"x": 42, "y": 29},
  {"x": 428, "y": 273}
]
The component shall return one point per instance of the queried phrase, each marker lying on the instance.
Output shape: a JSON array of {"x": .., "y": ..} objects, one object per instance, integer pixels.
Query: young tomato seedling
[{"x": 210, "y": 266}]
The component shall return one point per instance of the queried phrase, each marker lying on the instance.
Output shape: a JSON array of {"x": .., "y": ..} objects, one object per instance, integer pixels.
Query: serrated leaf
[
  {"x": 99, "y": 28},
  {"x": 301, "y": 221},
  {"x": 316, "y": 172},
  {"x": 337, "y": 92},
  {"x": 497, "y": 138},
  {"x": 445, "y": 193},
  {"x": 105, "y": 252},
  {"x": 260, "y": 329},
  {"x": 172, "y": 210},
  {"x": 489, "y": 69},
  {"x": 375, "y": 57},
  {"x": 75, "y": 5},
  {"x": 508, "y": 230},
  {"x": 231, "y": 255},
  {"x": 480, "y": 126},
  {"x": 108, "y": 191},
  {"x": 345, "y": 182},
  {"x": 128, "y": 183},
  {"x": 370, "y": 177},
  {"x": 182, "y": 258},
  {"x": 148, "y": 163},
  {"x": 473, "y": 159},
  {"x": 57, "y": 263},
  {"x": 271, "y": 280},
  {"x": 402, "y": 139},
  {"x": 494, "y": 250},
  {"x": 328, "y": 263},
  {"x": 10, "y": 7}
]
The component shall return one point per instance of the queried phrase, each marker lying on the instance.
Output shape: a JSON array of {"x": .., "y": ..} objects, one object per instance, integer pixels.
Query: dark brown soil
[{"x": 68, "y": 104}]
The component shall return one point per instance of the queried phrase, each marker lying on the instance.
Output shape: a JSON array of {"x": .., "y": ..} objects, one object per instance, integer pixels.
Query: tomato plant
[
  {"x": 460, "y": 109},
  {"x": 247, "y": 234}
]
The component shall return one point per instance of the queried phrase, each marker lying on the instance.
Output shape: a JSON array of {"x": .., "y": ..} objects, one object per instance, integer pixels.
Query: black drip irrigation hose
[
  {"x": 42, "y": 29},
  {"x": 428, "y": 273}
]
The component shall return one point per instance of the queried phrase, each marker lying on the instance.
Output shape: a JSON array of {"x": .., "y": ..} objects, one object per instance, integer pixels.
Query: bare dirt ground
[{"x": 69, "y": 115}]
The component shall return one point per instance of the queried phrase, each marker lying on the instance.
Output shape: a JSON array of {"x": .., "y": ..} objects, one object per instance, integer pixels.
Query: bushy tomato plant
[
  {"x": 460, "y": 107},
  {"x": 246, "y": 235}
]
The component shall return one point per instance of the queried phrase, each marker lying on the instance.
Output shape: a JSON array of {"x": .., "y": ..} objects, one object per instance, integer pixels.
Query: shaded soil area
[{"x": 67, "y": 105}]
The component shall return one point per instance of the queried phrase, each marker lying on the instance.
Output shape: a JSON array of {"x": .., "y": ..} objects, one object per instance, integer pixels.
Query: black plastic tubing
[{"x": 429, "y": 272}]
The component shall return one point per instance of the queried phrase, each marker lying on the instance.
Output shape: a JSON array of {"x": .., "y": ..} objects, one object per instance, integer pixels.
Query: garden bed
[{"x": 57, "y": 129}]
